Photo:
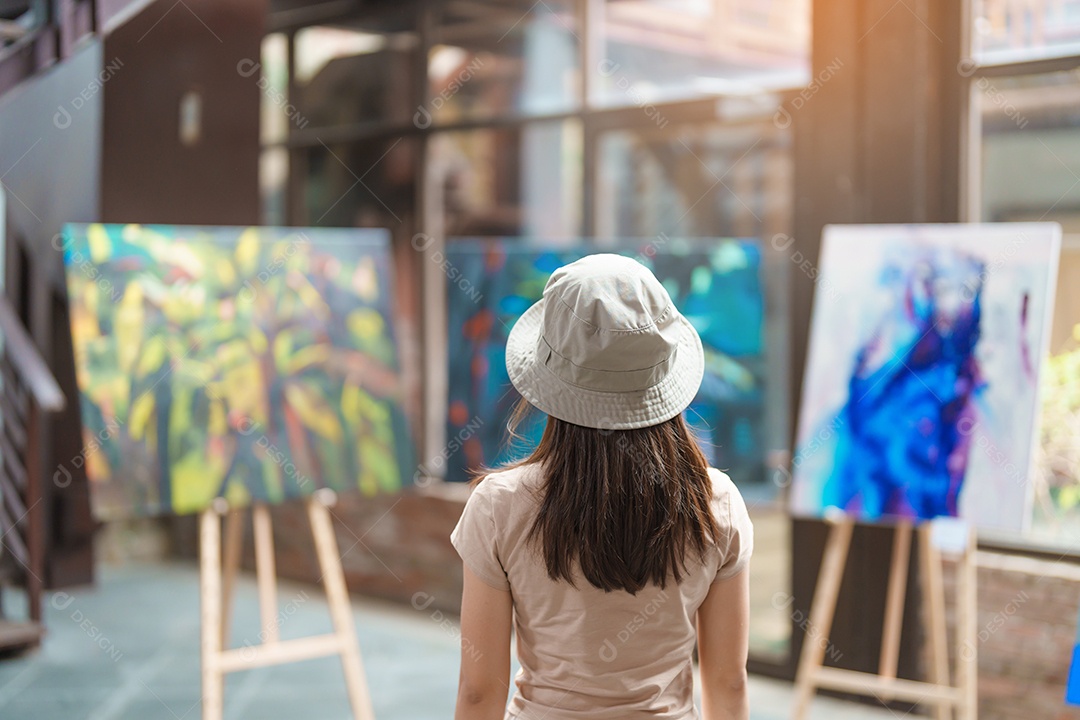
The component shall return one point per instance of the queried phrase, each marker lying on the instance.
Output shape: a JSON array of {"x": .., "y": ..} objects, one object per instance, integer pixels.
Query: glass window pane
[
  {"x": 1031, "y": 172},
  {"x": 273, "y": 181},
  {"x": 1006, "y": 31},
  {"x": 346, "y": 76},
  {"x": 497, "y": 58},
  {"x": 362, "y": 184},
  {"x": 657, "y": 50},
  {"x": 509, "y": 181},
  {"x": 701, "y": 181},
  {"x": 276, "y": 114},
  {"x": 1030, "y": 145}
]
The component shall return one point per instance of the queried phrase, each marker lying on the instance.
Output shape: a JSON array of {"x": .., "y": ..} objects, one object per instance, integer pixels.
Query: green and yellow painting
[{"x": 250, "y": 364}]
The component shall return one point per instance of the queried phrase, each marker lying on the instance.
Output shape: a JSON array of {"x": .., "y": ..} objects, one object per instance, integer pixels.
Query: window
[
  {"x": 522, "y": 180},
  {"x": 491, "y": 59},
  {"x": 1005, "y": 31},
  {"x": 561, "y": 120},
  {"x": 661, "y": 50},
  {"x": 1027, "y": 148},
  {"x": 700, "y": 180},
  {"x": 374, "y": 70}
]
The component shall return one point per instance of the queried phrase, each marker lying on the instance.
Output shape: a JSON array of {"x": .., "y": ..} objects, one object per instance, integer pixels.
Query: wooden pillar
[{"x": 877, "y": 140}]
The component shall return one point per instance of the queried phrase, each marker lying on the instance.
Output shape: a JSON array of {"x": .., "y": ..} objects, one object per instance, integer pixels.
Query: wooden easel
[
  {"x": 938, "y": 691},
  {"x": 216, "y": 591}
]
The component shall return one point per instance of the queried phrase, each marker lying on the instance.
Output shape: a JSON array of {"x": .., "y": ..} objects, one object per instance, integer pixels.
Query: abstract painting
[
  {"x": 921, "y": 390},
  {"x": 717, "y": 284},
  {"x": 250, "y": 364},
  {"x": 1072, "y": 684}
]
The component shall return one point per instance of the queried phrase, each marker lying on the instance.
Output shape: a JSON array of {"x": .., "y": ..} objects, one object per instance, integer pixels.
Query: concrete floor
[{"x": 129, "y": 648}]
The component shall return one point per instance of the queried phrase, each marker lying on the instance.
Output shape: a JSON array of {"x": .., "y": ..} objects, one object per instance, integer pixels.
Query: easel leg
[
  {"x": 933, "y": 596},
  {"x": 894, "y": 601},
  {"x": 265, "y": 573},
  {"x": 213, "y": 680},
  {"x": 234, "y": 543},
  {"x": 967, "y": 669},
  {"x": 340, "y": 611},
  {"x": 821, "y": 614}
]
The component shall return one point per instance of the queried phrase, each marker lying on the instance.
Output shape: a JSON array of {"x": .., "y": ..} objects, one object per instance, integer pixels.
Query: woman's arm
[
  {"x": 723, "y": 622},
  {"x": 486, "y": 616}
]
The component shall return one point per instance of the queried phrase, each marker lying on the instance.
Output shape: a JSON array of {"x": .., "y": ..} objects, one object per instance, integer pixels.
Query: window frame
[{"x": 978, "y": 77}]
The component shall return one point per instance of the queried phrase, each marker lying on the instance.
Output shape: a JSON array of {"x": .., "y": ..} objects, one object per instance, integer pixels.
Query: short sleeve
[
  {"x": 475, "y": 539},
  {"x": 740, "y": 537}
]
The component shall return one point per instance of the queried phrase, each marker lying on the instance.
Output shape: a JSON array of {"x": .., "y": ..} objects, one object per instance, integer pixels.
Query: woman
[{"x": 614, "y": 539}]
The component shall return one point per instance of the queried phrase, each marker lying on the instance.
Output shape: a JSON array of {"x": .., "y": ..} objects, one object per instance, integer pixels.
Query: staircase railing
[
  {"x": 53, "y": 31},
  {"x": 28, "y": 393}
]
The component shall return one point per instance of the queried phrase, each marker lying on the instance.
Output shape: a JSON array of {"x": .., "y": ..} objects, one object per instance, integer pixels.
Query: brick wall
[
  {"x": 392, "y": 547},
  {"x": 1027, "y": 626}
]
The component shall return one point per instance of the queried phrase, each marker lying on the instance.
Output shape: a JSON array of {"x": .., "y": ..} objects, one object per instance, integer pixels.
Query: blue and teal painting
[
  {"x": 921, "y": 390},
  {"x": 717, "y": 284}
]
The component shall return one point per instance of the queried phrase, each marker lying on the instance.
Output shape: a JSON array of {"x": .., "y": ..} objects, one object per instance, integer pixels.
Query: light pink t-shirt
[{"x": 586, "y": 653}]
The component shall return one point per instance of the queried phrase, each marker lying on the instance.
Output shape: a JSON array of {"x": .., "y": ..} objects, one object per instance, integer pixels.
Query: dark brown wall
[
  {"x": 168, "y": 49},
  {"x": 876, "y": 142}
]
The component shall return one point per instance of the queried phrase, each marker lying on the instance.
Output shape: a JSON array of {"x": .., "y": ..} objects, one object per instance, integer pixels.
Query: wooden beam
[
  {"x": 894, "y": 601},
  {"x": 870, "y": 685},
  {"x": 933, "y": 596},
  {"x": 213, "y": 680},
  {"x": 821, "y": 614},
  {"x": 278, "y": 653}
]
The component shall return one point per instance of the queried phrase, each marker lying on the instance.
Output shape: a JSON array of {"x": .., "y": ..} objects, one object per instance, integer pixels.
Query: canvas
[
  {"x": 717, "y": 284},
  {"x": 251, "y": 364},
  {"x": 921, "y": 390},
  {"x": 1072, "y": 684}
]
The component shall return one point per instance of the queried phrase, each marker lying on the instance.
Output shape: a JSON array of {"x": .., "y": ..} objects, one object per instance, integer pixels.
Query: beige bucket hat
[{"x": 605, "y": 347}]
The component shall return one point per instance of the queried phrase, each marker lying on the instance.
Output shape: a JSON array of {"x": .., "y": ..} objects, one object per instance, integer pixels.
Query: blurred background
[{"x": 556, "y": 124}]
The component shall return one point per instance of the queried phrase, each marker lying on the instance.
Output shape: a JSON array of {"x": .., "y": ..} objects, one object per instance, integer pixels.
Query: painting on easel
[
  {"x": 1072, "y": 685},
  {"x": 252, "y": 364},
  {"x": 718, "y": 284},
  {"x": 921, "y": 392}
]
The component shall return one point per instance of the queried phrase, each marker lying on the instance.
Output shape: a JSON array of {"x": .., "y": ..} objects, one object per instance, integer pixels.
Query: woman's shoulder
[
  {"x": 722, "y": 485},
  {"x": 728, "y": 504},
  {"x": 501, "y": 483},
  {"x": 733, "y": 517}
]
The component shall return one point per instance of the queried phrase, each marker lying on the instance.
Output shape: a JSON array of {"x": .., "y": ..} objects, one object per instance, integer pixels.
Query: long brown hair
[{"x": 627, "y": 505}]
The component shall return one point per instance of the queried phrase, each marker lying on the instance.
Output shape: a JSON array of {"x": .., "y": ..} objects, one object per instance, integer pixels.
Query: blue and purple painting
[
  {"x": 1072, "y": 686},
  {"x": 717, "y": 284},
  {"x": 921, "y": 390}
]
